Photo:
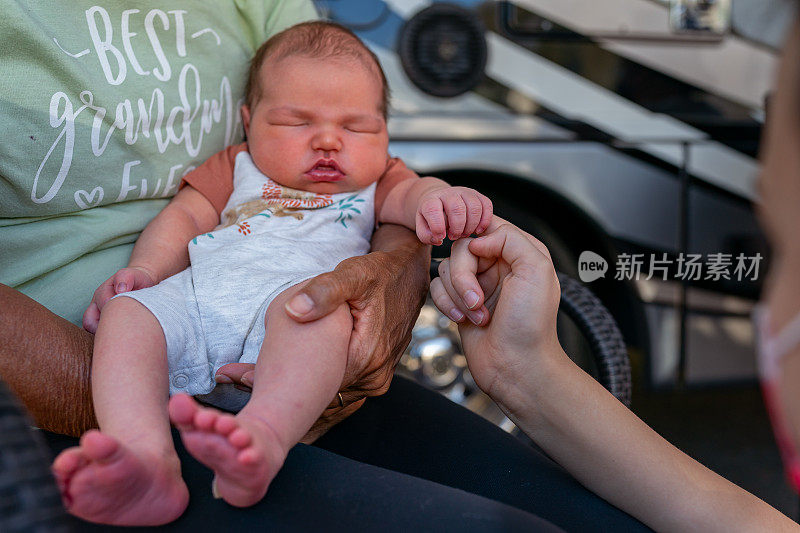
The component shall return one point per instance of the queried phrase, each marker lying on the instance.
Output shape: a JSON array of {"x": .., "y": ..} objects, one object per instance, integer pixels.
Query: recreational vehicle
[{"x": 626, "y": 130}]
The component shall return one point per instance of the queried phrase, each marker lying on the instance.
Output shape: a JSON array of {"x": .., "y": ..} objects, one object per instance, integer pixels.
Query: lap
[
  {"x": 422, "y": 444},
  {"x": 319, "y": 490},
  {"x": 419, "y": 432},
  {"x": 409, "y": 430}
]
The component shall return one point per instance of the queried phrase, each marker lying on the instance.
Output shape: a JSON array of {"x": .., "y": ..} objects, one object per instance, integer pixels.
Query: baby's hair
[{"x": 318, "y": 40}]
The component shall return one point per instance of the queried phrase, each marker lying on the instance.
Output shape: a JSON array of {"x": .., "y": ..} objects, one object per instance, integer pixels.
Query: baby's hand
[
  {"x": 454, "y": 212},
  {"x": 126, "y": 279}
]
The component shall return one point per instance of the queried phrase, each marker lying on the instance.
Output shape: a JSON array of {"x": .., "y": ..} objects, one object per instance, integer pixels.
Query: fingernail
[
  {"x": 300, "y": 305},
  {"x": 247, "y": 381},
  {"x": 122, "y": 287},
  {"x": 456, "y": 315},
  {"x": 223, "y": 379},
  {"x": 471, "y": 298},
  {"x": 476, "y": 317},
  {"x": 214, "y": 490}
]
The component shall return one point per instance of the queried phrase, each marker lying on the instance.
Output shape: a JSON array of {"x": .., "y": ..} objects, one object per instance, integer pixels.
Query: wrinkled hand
[
  {"x": 385, "y": 291},
  {"x": 512, "y": 276},
  {"x": 126, "y": 279},
  {"x": 454, "y": 212}
]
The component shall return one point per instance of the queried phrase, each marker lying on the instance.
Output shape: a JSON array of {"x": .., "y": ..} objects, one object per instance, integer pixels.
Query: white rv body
[{"x": 629, "y": 186}]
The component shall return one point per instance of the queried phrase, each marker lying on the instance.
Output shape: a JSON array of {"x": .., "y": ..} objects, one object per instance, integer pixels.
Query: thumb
[
  {"x": 324, "y": 294},
  {"x": 124, "y": 281}
]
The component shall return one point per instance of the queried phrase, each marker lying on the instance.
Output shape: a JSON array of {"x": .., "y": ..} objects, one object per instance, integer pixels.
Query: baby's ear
[{"x": 246, "y": 119}]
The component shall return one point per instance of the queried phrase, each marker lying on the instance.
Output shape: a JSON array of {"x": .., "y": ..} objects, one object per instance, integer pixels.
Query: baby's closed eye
[
  {"x": 363, "y": 124},
  {"x": 361, "y": 128},
  {"x": 288, "y": 123}
]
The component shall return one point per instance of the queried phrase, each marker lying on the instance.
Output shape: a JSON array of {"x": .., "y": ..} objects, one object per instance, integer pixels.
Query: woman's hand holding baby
[
  {"x": 125, "y": 279},
  {"x": 452, "y": 212},
  {"x": 398, "y": 266}
]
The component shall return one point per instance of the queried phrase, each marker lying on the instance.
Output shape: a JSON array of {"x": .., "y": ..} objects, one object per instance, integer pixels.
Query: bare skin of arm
[
  {"x": 45, "y": 361},
  {"x": 161, "y": 248},
  {"x": 436, "y": 210},
  {"x": 517, "y": 360}
]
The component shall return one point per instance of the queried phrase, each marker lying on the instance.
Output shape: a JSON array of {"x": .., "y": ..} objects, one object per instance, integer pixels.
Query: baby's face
[{"x": 317, "y": 126}]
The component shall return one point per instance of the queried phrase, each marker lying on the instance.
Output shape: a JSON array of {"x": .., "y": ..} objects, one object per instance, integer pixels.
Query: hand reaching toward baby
[
  {"x": 125, "y": 279},
  {"x": 452, "y": 212},
  {"x": 505, "y": 284}
]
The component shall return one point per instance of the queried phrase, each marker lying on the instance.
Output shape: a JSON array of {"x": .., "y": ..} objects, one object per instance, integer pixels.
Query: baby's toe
[
  {"x": 204, "y": 419},
  {"x": 225, "y": 424},
  {"x": 98, "y": 446},
  {"x": 182, "y": 409},
  {"x": 240, "y": 438},
  {"x": 68, "y": 462}
]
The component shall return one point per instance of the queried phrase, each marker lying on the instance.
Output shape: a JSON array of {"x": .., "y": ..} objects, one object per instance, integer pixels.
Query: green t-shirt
[{"x": 104, "y": 106}]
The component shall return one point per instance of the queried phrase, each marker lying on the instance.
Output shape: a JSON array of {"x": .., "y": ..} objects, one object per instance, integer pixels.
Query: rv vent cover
[{"x": 443, "y": 50}]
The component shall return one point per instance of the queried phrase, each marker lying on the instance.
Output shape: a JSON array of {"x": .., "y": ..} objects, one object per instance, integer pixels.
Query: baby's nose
[{"x": 327, "y": 140}]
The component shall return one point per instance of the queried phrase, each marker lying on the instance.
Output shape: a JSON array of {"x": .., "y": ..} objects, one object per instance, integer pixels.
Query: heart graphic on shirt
[{"x": 85, "y": 199}]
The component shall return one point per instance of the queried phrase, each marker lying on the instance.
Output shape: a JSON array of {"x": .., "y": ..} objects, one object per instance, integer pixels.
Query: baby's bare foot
[
  {"x": 244, "y": 453},
  {"x": 103, "y": 481}
]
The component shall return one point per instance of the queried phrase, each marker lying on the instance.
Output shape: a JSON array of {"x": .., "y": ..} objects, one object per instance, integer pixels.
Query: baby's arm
[
  {"x": 160, "y": 251},
  {"x": 434, "y": 209}
]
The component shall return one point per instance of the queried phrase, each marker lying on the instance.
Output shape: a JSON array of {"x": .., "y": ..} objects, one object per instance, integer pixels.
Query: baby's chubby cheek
[
  {"x": 277, "y": 168},
  {"x": 370, "y": 172},
  {"x": 371, "y": 163}
]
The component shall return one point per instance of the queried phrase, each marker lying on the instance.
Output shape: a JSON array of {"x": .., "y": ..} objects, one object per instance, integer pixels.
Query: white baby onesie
[{"x": 271, "y": 238}]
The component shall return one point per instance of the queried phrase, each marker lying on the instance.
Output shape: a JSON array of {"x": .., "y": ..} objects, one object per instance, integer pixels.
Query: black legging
[{"x": 410, "y": 460}]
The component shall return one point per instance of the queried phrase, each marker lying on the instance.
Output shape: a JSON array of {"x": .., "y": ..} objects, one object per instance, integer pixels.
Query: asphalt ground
[{"x": 727, "y": 429}]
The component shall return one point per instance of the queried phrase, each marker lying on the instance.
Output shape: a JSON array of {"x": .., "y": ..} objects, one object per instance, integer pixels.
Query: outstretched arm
[
  {"x": 436, "y": 210},
  {"x": 518, "y": 361}
]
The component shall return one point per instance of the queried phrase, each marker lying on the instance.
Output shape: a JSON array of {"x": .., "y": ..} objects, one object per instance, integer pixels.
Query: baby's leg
[
  {"x": 128, "y": 472},
  {"x": 299, "y": 371}
]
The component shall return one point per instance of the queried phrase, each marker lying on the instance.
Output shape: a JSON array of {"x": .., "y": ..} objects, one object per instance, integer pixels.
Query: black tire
[
  {"x": 29, "y": 498},
  {"x": 598, "y": 327}
]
